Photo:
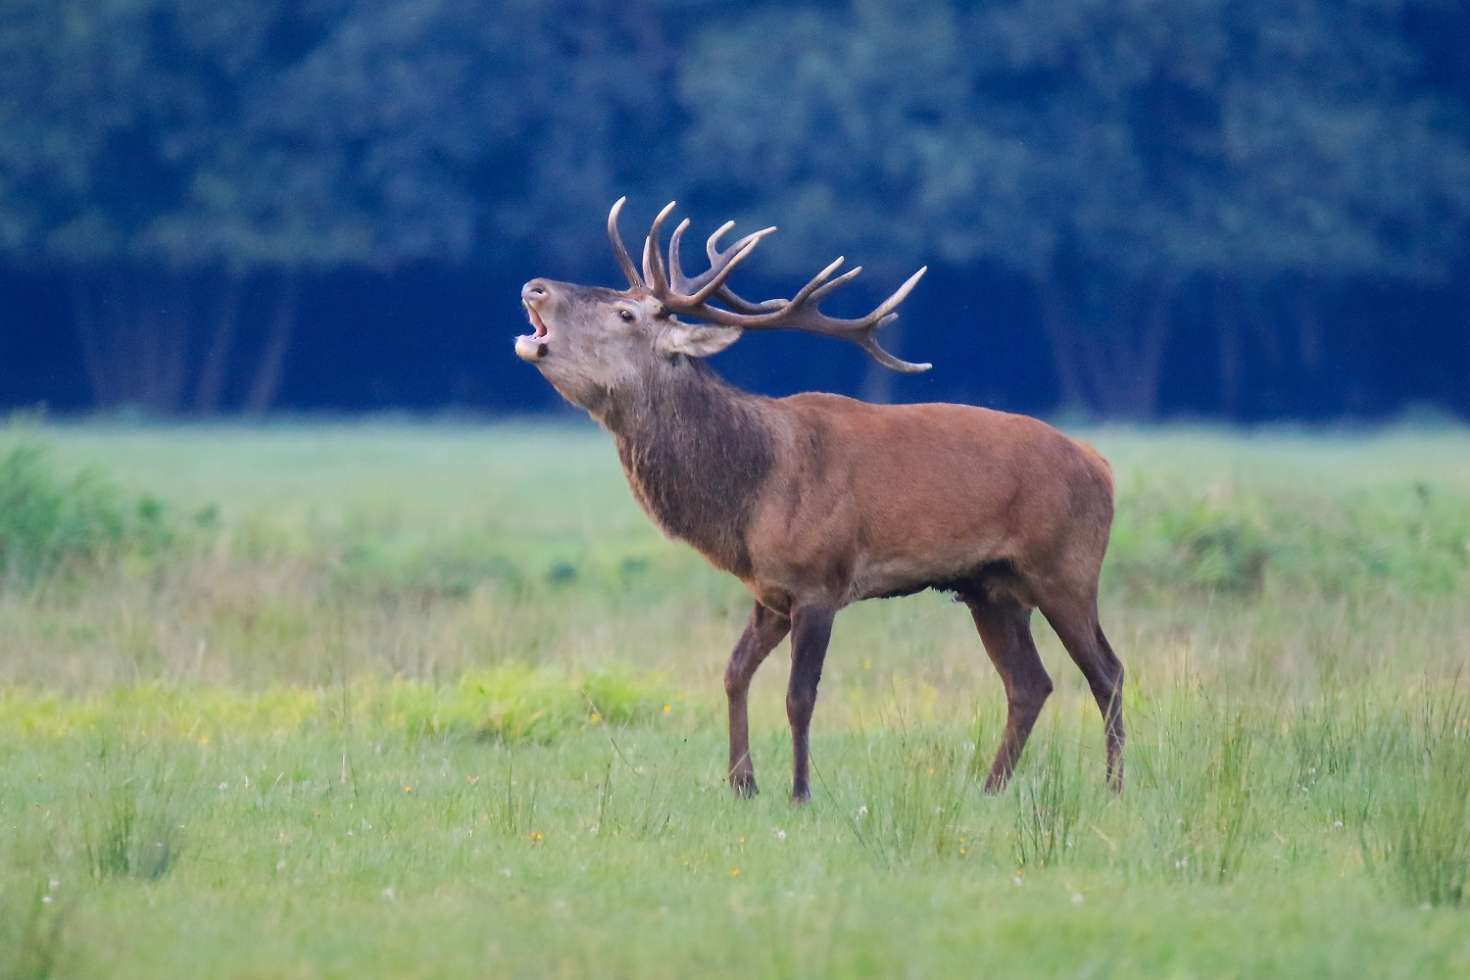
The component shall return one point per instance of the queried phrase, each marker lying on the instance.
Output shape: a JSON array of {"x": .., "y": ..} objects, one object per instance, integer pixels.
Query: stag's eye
[{"x": 626, "y": 315}]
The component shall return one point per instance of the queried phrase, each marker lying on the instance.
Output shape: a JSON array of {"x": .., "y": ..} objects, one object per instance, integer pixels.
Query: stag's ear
[{"x": 695, "y": 341}]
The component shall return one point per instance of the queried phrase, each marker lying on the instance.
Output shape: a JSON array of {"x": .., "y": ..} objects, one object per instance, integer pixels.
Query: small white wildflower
[
  {"x": 389, "y": 893},
  {"x": 862, "y": 811},
  {"x": 1077, "y": 898},
  {"x": 45, "y": 899},
  {"x": 780, "y": 834},
  {"x": 223, "y": 787},
  {"x": 1337, "y": 825}
]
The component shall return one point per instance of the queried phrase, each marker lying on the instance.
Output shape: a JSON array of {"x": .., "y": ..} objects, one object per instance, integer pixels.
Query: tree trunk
[
  {"x": 1309, "y": 328},
  {"x": 92, "y": 339},
  {"x": 1227, "y": 331},
  {"x": 269, "y": 373},
  {"x": 1060, "y": 328},
  {"x": 137, "y": 337},
  {"x": 1117, "y": 338},
  {"x": 1148, "y": 372},
  {"x": 173, "y": 350},
  {"x": 215, "y": 369}
]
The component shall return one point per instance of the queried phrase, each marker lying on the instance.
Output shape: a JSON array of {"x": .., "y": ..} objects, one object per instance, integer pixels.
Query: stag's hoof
[{"x": 743, "y": 785}]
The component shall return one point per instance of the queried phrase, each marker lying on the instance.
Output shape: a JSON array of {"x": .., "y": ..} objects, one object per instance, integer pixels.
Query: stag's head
[{"x": 589, "y": 341}]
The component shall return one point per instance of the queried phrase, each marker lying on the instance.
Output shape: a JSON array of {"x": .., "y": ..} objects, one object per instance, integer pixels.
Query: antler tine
[
  {"x": 717, "y": 259},
  {"x": 899, "y": 295},
  {"x": 620, "y": 251},
  {"x": 711, "y": 244},
  {"x": 805, "y": 293},
  {"x": 676, "y": 271},
  {"x": 717, "y": 281},
  {"x": 869, "y": 343},
  {"x": 653, "y": 263},
  {"x": 837, "y": 283}
]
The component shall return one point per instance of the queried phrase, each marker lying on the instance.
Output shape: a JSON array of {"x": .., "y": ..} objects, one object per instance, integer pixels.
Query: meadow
[{"x": 426, "y": 700}]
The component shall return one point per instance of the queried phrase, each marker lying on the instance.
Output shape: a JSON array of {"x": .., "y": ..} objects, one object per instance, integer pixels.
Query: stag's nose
[{"x": 535, "y": 291}]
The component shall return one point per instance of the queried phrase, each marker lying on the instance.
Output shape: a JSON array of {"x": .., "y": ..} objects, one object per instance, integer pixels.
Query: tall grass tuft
[
  {"x": 1210, "y": 816},
  {"x": 132, "y": 822},
  {"x": 644, "y": 814},
  {"x": 513, "y": 808},
  {"x": 912, "y": 788},
  {"x": 1234, "y": 816},
  {"x": 1422, "y": 846},
  {"x": 1048, "y": 809}
]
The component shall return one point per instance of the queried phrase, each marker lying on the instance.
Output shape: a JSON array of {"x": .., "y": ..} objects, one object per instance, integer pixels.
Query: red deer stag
[{"x": 816, "y": 501}]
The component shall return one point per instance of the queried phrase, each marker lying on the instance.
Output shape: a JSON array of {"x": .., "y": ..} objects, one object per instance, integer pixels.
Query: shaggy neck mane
[{"x": 696, "y": 452}]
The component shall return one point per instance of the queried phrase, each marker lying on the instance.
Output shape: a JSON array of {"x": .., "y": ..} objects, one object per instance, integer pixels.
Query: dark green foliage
[{"x": 1124, "y": 161}]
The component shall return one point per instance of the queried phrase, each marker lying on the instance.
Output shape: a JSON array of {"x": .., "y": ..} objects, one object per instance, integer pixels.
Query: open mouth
[
  {"x": 536, "y": 323},
  {"x": 533, "y": 346}
]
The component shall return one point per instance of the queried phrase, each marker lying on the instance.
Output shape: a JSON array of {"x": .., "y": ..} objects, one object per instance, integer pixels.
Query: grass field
[{"x": 435, "y": 700}]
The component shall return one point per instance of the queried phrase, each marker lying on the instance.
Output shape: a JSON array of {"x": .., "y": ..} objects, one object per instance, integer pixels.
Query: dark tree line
[{"x": 1147, "y": 183}]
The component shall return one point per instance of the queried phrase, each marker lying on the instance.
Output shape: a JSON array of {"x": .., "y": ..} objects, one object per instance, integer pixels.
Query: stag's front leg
[
  {"x": 811, "y": 629},
  {"x": 763, "y": 632}
]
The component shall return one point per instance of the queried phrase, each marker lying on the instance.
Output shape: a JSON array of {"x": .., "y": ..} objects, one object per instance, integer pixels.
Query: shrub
[
  {"x": 50, "y": 520},
  {"x": 515, "y": 704}
]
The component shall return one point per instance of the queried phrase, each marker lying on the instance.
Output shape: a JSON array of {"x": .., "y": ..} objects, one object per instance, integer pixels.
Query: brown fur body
[{"x": 818, "y": 497}]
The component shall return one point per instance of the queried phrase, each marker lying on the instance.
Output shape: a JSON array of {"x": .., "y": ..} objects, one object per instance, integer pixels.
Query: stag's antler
[{"x": 693, "y": 296}]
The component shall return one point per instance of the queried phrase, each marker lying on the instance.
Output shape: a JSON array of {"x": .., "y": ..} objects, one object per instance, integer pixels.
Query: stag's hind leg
[
  {"x": 763, "y": 632},
  {"x": 811, "y": 629},
  {"x": 1005, "y": 629},
  {"x": 1076, "y": 623}
]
